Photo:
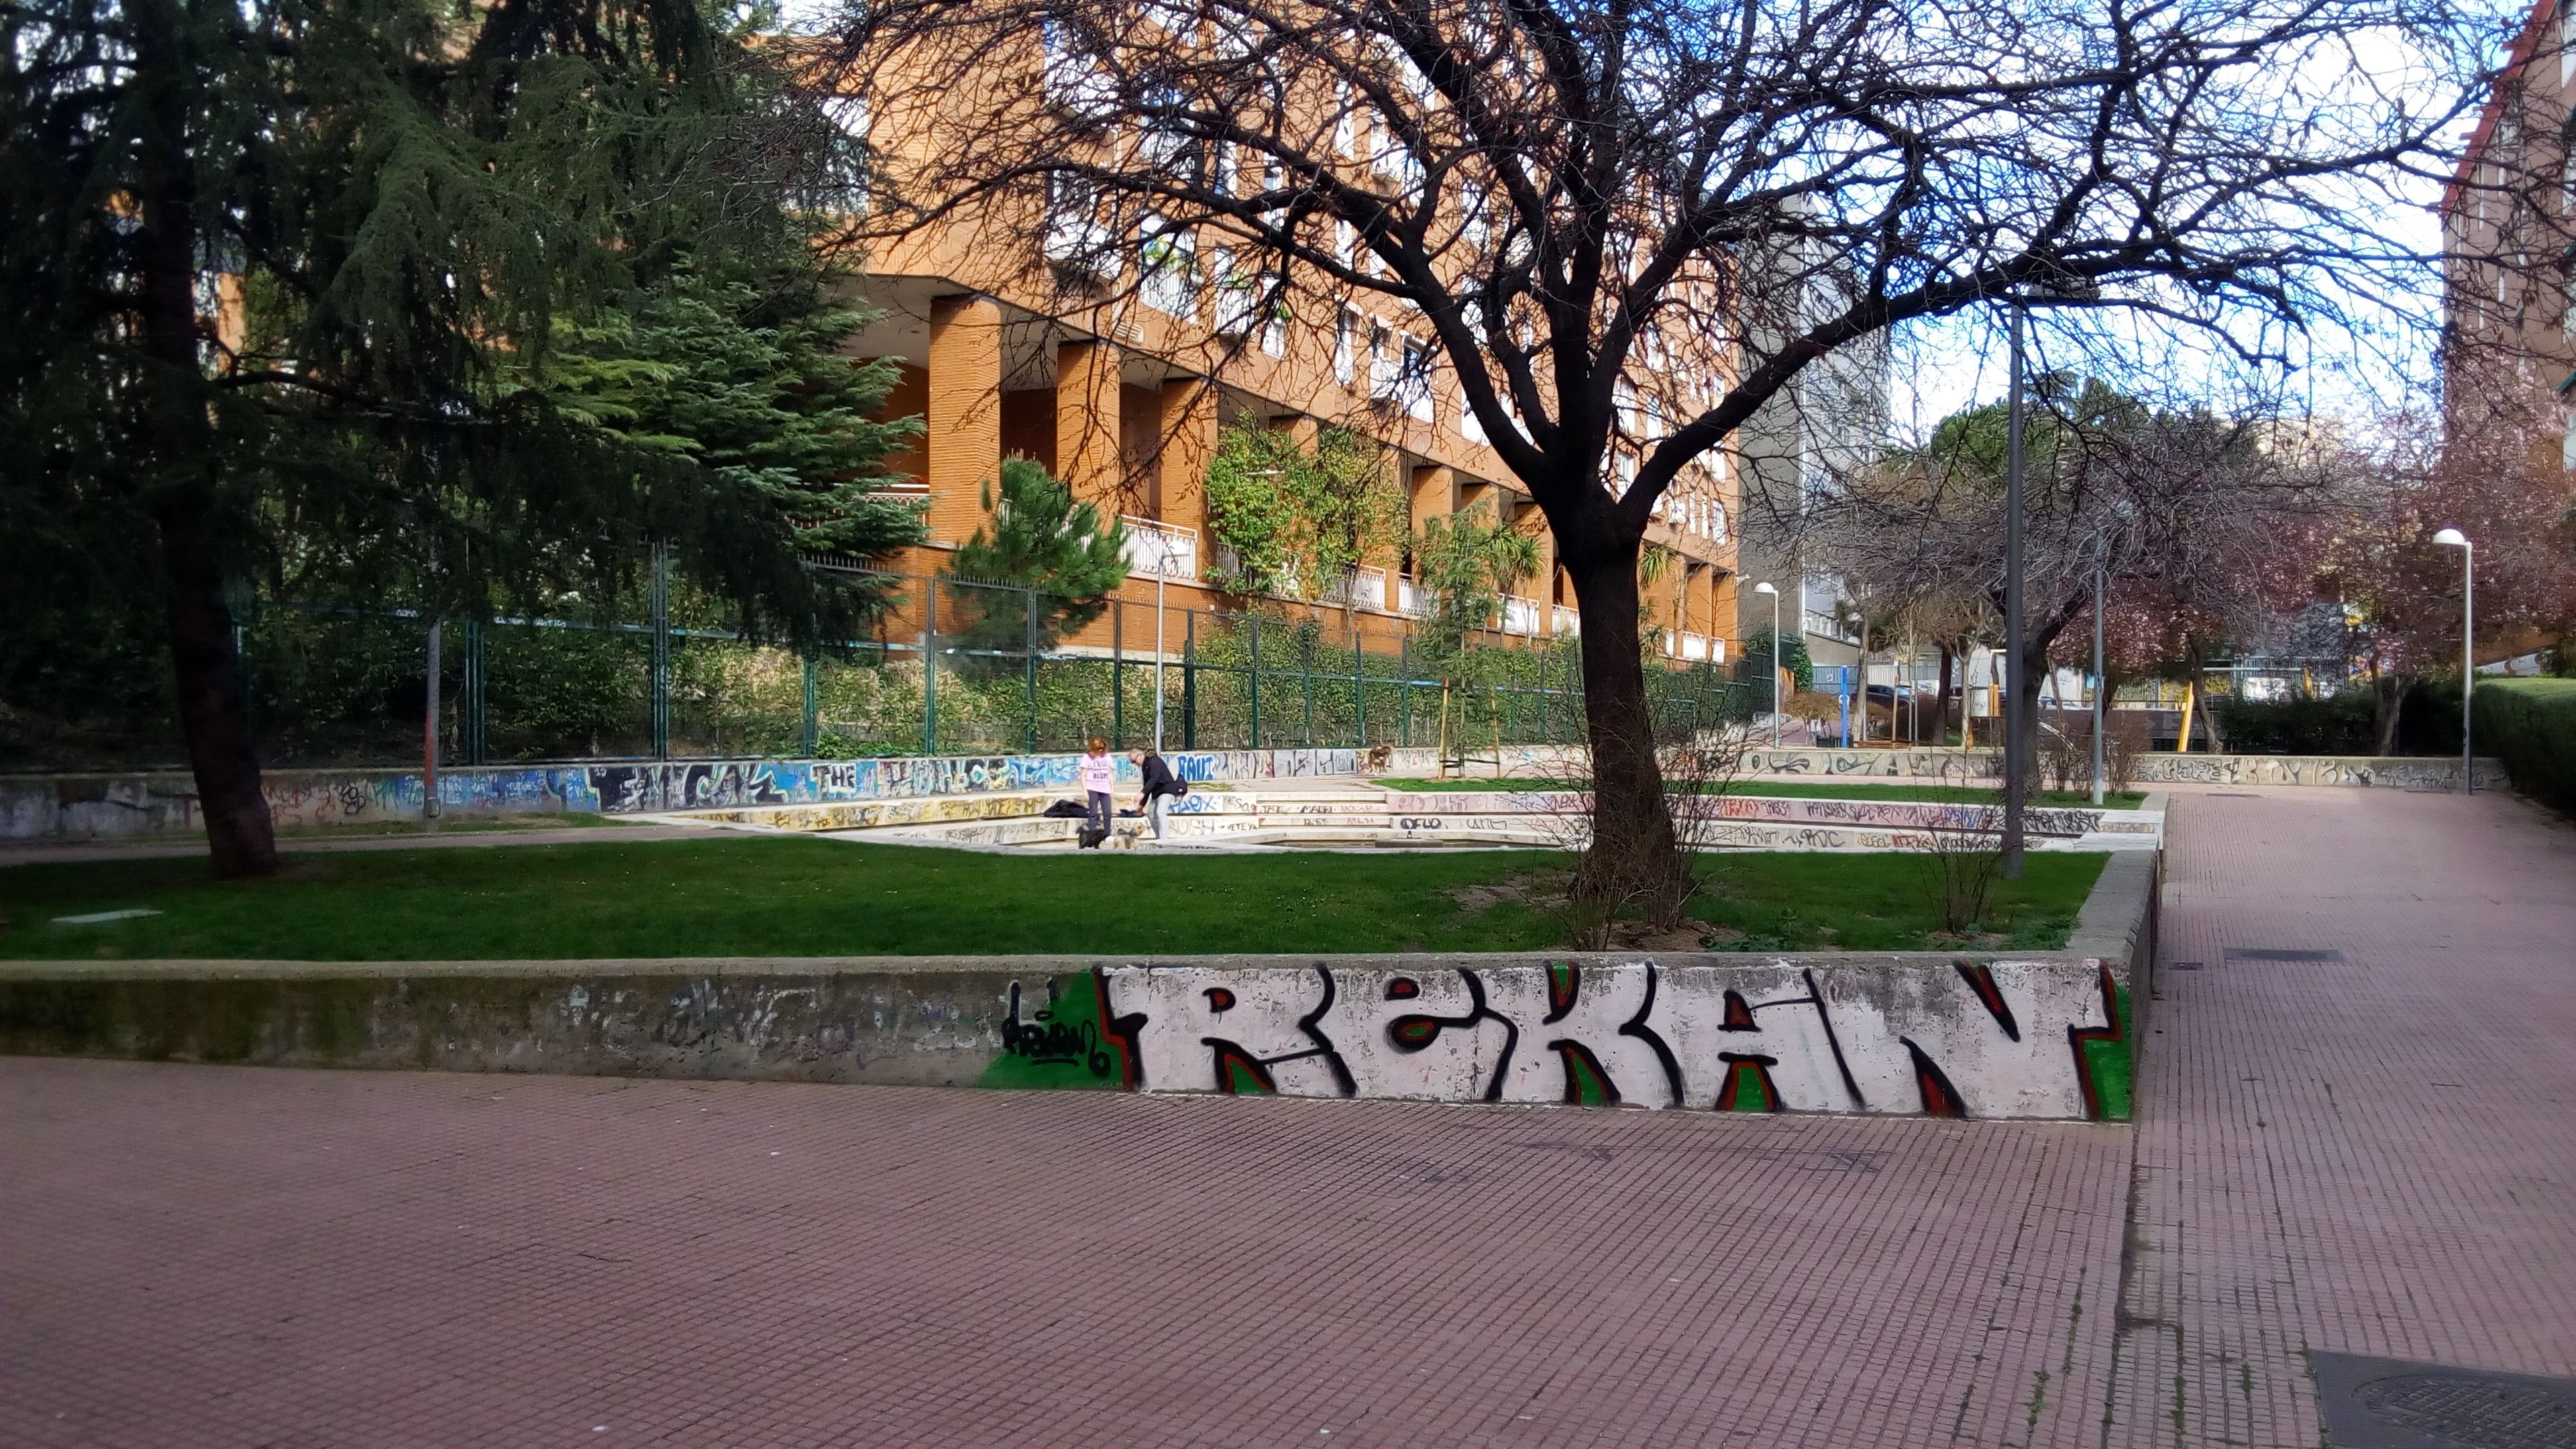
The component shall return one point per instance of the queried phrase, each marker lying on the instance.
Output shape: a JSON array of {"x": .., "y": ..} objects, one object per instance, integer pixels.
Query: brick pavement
[
  {"x": 2376, "y": 1155},
  {"x": 218, "y": 1256},
  {"x": 224, "y": 1256}
]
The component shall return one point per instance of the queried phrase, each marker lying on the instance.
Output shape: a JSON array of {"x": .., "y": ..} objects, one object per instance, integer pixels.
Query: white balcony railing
[
  {"x": 1694, "y": 646},
  {"x": 1520, "y": 616},
  {"x": 1158, "y": 549},
  {"x": 1411, "y": 599},
  {"x": 1568, "y": 620},
  {"x": 1363, "y": 588}
]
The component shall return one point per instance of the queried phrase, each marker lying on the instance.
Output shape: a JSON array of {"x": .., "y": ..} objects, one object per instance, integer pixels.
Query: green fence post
[
  {"x": 1118, "y": 674},
  {"x": 1404, "y": 678},
  {"x": 477, "y": 743},
  {"x": 1306, "y": 674},
  {"x": 661, "y": 667},
  {"x": 1029, "y": 657},
  {"x": 930, "y": 670},
  {"x": 1359, "y": 685},
  {"x": 1189, "y": 679},
  {"x": 1256, "y": 681},
  {"x": 811, "y": 736}
]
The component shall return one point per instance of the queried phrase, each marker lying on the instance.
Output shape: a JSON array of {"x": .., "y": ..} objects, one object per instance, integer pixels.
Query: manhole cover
[
  {"x": 2378, "y": 1403},
  {"x": 2279, "y": 953},
  {"x": 2186, "y": 965}
]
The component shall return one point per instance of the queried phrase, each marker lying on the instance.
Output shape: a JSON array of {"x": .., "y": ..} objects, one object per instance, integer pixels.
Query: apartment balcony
[
  {"x": 1412, "y": 600},
  {"x": 1520, "y": 616},
  {"x": 1158, "y": 550},
  {"x": 1362, "y": 588},
  {"x": 1569, "y": 620}
]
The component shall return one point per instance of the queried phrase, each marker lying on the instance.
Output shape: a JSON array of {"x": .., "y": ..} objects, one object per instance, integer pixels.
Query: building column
[
  {"x": 1540, "y": 586},
  {"x": 963, "y": 433},
  {"x": 1086, "y": 422},
  {"x": 1434, "y": 492},
  {"x": 1187, "y": 430}
]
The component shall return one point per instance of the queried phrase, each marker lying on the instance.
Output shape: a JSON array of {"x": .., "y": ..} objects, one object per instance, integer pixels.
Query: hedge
[{"x": 2531, "y": 725}]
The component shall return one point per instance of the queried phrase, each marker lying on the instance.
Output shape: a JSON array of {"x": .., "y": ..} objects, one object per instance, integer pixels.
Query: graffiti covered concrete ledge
[{"x": 2043, "y": 1034}]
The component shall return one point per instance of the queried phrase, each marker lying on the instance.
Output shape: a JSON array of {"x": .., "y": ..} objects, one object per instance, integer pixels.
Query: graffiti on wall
[{"x": 1969, "y": 1039}]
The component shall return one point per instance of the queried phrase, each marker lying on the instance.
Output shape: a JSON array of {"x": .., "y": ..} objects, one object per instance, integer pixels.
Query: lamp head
[
  {"x": 2451, "y": 538},
  {"x": 1764, "y": 589}
]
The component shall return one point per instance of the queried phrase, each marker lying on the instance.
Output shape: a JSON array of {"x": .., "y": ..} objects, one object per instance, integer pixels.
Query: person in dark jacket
[{"x": 1160, "y": 785}]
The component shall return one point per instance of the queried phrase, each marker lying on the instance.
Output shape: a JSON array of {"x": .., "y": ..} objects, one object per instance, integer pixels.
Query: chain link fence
[{"x": 954, "y": 668}]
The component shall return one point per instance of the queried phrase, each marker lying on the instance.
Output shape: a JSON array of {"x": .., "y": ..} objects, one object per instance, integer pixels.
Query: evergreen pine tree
[{"x": 327, "y": 285}]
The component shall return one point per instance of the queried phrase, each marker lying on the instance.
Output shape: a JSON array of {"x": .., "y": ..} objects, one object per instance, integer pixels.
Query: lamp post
[
  {"x": 2453, "y": 538},
  {"x": 2016, "y": 729},
  {"x": 2101, "y": 556},
  {"x": 1765, "y": 588},
  {"x": 1162, "y": 571}
]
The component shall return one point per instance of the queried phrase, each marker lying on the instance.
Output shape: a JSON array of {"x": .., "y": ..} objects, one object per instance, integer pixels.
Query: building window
[
  {"x": 1346, "y": 343},
  {"x": 1413, "y": 382},
  {"x": 1170, "y": 277}
]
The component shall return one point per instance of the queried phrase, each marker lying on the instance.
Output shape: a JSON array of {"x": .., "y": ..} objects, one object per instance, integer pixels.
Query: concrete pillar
[
  {"x": 1187, "y": 427},
  {"x": 1087, "y": 454},
  {"x": 1473, "y": 492},
  {"x": 963, "y": 413}
]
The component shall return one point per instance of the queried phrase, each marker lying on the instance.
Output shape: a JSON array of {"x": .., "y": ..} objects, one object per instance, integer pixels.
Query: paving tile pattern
[
  {"x": 237, "y": 1256},
  {"x": 2375, "y": 1155}
]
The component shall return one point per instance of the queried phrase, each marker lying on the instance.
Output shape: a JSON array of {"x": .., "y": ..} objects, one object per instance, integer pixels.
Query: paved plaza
[{"x": 2358, "y": 1133}]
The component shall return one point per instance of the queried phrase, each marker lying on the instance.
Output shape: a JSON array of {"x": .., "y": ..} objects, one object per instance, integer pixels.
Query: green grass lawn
[
  {"x": 783, "y": 896},
  {"x": 1803, "y": 790}
]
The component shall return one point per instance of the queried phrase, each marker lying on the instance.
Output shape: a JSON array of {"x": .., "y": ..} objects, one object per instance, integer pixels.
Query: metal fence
[{"x": 953, "y": 668}]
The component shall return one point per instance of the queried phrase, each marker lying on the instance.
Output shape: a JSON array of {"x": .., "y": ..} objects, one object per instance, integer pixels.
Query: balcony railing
[
  {"x": 1158, "y": 549},
  {"x": 1568, "y": 620},
  {"x": 1362, "y": 588},
  {"x": 1411, "y": 599},
  {"x": 1520, "y": 616}
]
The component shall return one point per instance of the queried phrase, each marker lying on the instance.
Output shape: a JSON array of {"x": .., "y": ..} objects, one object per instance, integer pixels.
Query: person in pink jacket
[{"x": 1099, "y": 784}]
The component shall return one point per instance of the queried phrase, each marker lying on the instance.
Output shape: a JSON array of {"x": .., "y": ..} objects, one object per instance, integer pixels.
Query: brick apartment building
[
  {"x": 1115, "y": 360},
  {"x": 2509, "y": 251}
]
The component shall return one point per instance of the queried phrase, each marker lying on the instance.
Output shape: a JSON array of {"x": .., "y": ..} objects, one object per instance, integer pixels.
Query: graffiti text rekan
[{"x": 2011, "y": 1039}]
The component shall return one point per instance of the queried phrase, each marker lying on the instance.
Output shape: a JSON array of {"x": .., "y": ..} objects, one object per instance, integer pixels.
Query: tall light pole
[
  {"x": 2101, "y": 558},
  {"x": 2453, "y": 538},
  {"x": 1765, "y": 588},
  {"x": 2016, "y": 729},
  {"x": 1162, "y": 571}
]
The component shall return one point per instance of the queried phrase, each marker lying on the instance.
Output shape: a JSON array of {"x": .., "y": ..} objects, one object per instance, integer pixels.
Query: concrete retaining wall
[
  {"x": 2152, "y": 769},
  {"x": 120, "y": 806},
  {"x": 2047, "y": 1034},
  {"x": 102, "y": 807}
]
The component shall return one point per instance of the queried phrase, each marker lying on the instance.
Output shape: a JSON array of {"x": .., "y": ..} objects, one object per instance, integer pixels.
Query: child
[{"x": 1099, "y": 779}]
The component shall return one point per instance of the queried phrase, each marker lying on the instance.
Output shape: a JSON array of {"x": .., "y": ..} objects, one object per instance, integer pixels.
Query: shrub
[{"x": 2531, "y": 725}]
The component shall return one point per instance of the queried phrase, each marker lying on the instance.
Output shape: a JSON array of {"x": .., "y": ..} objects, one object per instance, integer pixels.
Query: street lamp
[
  {"x": 2453, "y": 538},
  {"x": 1162, "y": 571},
  {"x": 2018, "y": 728},
  {"x": 1775, "y": 660},
  {"x": 2101, "y": 566}
]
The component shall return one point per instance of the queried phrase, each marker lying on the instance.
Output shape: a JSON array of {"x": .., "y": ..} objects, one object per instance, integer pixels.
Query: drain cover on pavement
[
  {"x": 2385, "y": 1403},
  {"x": 2279, "y": 953}
]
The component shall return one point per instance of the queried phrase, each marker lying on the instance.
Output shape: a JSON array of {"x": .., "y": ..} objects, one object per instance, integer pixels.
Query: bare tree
[
  {"x": 1585, "y": 206},
  {"x": 2207, "y": 524}
]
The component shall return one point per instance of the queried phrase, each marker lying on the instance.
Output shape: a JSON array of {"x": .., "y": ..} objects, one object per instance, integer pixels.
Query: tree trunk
[
  {"x": 2388, "y": 702},
  {"x": 1634, "y": 852},
  {"x": 179, "y": 480},
  {"x": 212, "y": 699},
  {"x": 1941, "y": 706}
]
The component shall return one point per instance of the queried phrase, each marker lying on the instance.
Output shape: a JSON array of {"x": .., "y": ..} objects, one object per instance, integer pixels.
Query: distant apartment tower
[
  {"x": 2509, "y": 269},
  {"x": 1796, "y": 451},
  {"x": 1113, "y": 353}
]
